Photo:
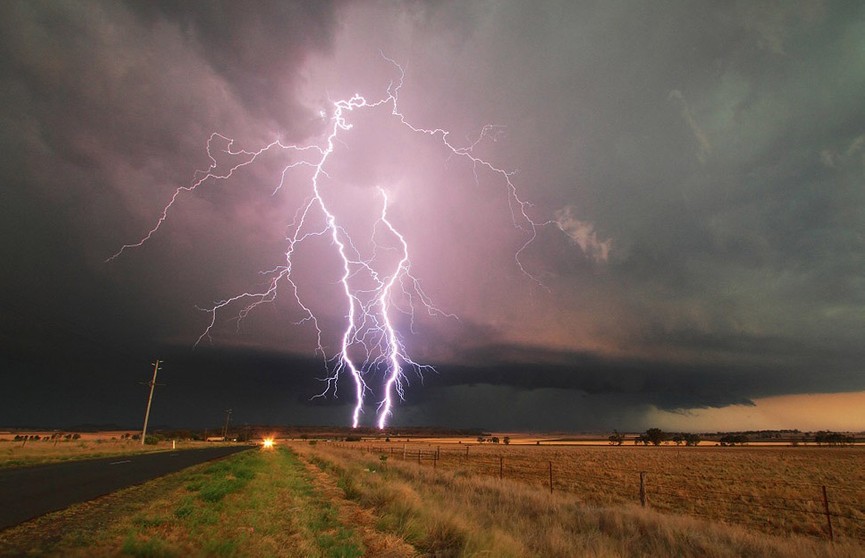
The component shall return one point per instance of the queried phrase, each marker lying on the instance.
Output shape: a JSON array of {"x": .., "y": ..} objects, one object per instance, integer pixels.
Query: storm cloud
[{"x": 698, "y": 167}]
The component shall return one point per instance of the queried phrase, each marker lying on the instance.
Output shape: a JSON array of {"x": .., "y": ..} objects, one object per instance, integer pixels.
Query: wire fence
[{"x": 769, "y": 503}]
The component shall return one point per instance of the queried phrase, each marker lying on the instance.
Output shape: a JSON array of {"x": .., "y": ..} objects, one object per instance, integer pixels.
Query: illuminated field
[{"x": 774, "y": 489}]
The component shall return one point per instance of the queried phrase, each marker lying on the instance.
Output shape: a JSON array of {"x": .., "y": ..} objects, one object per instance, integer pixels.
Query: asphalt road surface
[{"x": 29, "y": 492}]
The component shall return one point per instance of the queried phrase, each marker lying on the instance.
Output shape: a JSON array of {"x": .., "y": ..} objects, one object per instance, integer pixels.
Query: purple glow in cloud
[{"x": 372, "y": 287}]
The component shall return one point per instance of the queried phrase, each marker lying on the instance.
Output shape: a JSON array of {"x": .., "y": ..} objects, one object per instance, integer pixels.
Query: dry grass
[
  {"x": 17, "y": 454},
  {"x": 341, "y": 502},
  {"x": 773, "y": 489},
  {"x": 454, "y": 512},
  {"x": 13, "y": 454}
]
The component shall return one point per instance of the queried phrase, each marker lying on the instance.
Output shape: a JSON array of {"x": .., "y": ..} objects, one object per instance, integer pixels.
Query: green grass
[
  {"x": 150, "y": 548},
  {"x": 398, "y": 508},
  {"x": 320, "y": 517},
  {"x": 254, "y": 503}
]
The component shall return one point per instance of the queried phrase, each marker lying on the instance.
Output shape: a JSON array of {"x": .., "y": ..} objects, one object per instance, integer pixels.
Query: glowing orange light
[{"x": 268, "y": 443}]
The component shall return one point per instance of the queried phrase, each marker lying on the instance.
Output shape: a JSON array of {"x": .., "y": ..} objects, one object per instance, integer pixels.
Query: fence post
[
  {"x": 438, "y": 452},
  {"x": 501, "y": 468},
  {"x": 403, "y": 451},
  {"x": 467, "y": 452},
  {"x": 435, "y": 460},
  {"x": 551, "y": 477},
  {"x": 643, "y": 488},
  {"x": 828, "y": 515}
]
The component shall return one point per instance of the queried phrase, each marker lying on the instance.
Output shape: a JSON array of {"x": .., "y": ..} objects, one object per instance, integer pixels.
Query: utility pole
[
  {"x": 149, "y": 400},
  {"x": 225, "y": 429}
]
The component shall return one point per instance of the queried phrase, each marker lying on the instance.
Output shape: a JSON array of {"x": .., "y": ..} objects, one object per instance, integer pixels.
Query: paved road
[{"x": 28, "y": 492}]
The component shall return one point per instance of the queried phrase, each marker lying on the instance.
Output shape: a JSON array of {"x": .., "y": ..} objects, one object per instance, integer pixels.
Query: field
[
  {"x": 776, "y": 489},
  {"x": 317, "y": 498},
  {"x": 15, "y": 453}
]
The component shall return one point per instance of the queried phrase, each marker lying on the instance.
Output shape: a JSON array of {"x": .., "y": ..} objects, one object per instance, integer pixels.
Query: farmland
[
  {"x": 773, "y": 489},
  {"x": 373, "y": 498},
  {"x": 474, "y": 511}
]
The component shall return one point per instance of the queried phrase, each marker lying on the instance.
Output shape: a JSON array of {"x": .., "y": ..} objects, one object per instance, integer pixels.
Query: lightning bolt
[{"x": 370, "y": 341}]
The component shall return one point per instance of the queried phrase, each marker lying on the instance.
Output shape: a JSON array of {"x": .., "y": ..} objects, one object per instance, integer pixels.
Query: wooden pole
[
  {"x": 643, "y": 488},
  {"x": 551, "y": 477},
  {"x": 828, "y": 515},
  {"x": 149, "y": 401},
  {"x": 501, "y": 468}
]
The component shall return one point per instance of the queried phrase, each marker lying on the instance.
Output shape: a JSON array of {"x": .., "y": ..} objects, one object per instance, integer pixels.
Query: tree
[
  {"x": 506, "y": 440},
  {"x": 832, "y": 438},
  {"x": 494, "y": 439},
  {"x": 655, "y": 436},
  {"x": 692, "y": 439},
  {"x": 617, "y": 438},
  {"x": 734, "y": 439}
]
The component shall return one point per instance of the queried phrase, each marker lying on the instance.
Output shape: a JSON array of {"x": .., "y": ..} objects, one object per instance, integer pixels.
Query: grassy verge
[
  {"x": 457, "y": 513},
  {"x": 256, "y": 503}
]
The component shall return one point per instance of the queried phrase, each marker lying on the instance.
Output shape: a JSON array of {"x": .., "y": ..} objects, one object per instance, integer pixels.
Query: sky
[{"x": 689, "y": 255}]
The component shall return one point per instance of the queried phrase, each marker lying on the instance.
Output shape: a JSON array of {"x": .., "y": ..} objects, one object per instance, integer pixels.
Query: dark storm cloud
[
  {"x": 734, "y": 370},
  {"x": 257, "y": 47},
  {"x": 106, "y": 107},
  {"x": 703, "y": 163}
]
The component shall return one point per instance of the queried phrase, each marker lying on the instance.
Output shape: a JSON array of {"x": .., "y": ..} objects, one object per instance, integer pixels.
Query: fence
[{"x": 763, "y": 502}]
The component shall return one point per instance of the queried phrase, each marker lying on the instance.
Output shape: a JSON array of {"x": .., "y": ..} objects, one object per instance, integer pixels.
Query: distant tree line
[
  {"x": 656, "y": 437},
  {"x": 494, "y": 439},
  {"x": 55, "y": 436},
  {"x": 761, "y": 434},
  {"x": 833, "y": 438}
]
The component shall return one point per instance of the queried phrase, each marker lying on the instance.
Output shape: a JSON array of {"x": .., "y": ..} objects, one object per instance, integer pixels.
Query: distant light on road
[{"x": 267, "y": 444}]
